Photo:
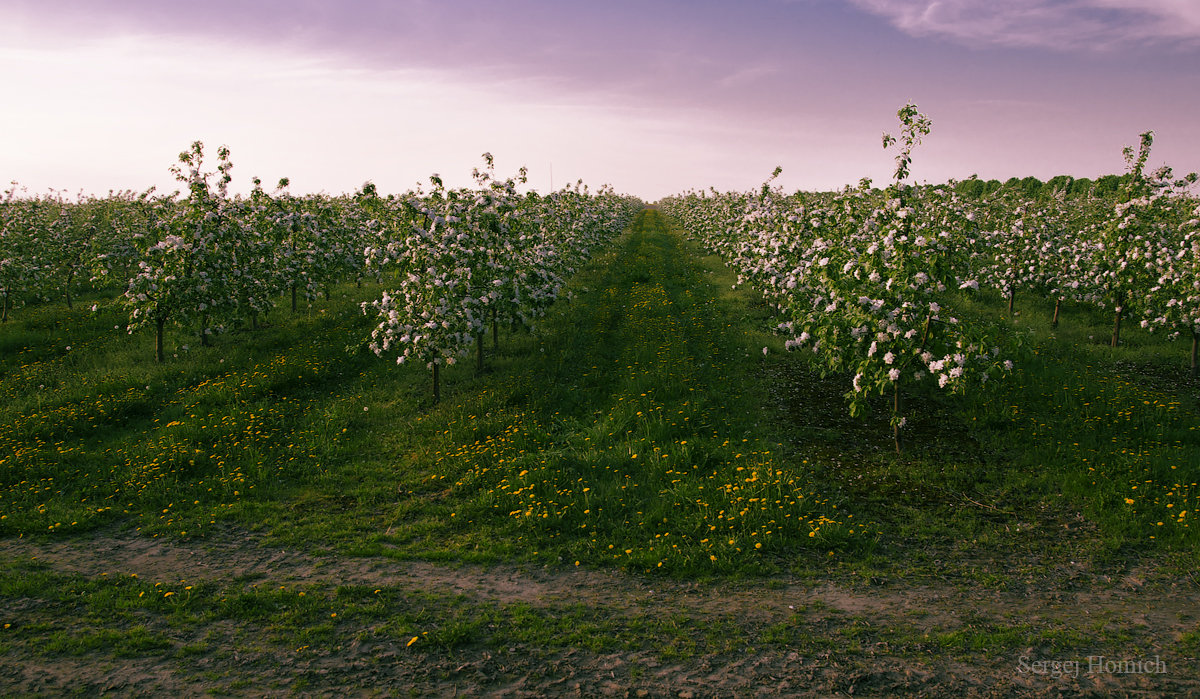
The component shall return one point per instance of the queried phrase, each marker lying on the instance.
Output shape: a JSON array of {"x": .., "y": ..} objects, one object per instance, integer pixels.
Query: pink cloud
[{"x": 1071, "y": 25}]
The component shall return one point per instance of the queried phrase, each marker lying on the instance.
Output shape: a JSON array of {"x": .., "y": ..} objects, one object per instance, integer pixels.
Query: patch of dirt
[
  {"x": 1152, "y": 617},
  {"x": 92, "y": 677}
]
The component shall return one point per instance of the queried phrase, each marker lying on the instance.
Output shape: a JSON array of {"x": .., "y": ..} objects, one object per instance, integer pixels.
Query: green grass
[
  {"x": 131, "y": 617},
  {"x": 128, "y": 617},
  {"x": 623, "y": 433},
  {"x": 1114, "y": 431},
  {"x": 1087, "y": 454},
  {"x": 640, "y": 427}
]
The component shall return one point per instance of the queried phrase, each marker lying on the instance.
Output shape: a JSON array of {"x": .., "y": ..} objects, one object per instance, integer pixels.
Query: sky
[{"x": 653, "y": 97}]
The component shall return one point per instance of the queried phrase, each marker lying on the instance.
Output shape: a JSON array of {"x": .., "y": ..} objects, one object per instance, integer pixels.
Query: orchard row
[
  {"x": 866, "y": 279},
  {"x": 206, "y": 260}
]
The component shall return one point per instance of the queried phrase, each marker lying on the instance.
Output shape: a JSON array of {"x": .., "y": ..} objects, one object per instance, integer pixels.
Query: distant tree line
[{"x": 1033, "y": 188}]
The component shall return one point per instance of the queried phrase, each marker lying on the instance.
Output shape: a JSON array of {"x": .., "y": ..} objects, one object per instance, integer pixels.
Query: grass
[
  {"x": 640, "y": 427},
  {"x": 1088, "y": 455},
  {"x": 623, "y": 432},
  {"x": 629, "y": 430},
  {"x": 1113, "y": 431},
  {"x": 130, "y": 617}
]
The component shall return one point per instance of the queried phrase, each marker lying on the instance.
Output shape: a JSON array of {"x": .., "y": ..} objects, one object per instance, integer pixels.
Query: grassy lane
[
  {"x": 629, "y": 430},
  {"x": 631, "y": 439},
  {"x": 624, "y": 432},
  {"x": 276, "y": 514}
]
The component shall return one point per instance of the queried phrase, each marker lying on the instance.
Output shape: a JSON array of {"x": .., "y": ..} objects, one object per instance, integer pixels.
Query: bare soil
[{"x": 1148, "y": 616}]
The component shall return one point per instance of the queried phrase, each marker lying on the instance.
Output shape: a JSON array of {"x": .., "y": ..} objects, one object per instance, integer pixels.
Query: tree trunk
[
  {"x": 158, "y": 340},
  {"x": 293, "y": 298},
  {"x": 1195, "y": 353},
  {"x": 896, "y": 415},
  {"x": 1116, "y": 336},
  {"x": 437, "y": 386},
  {"x": 495, "y": 329},
  {"x": 4, "y": 313},
  {"x": 1012, "y": 297},
  {"x": 479, "y": 352},
  {"x": 1054, "y": 322}
]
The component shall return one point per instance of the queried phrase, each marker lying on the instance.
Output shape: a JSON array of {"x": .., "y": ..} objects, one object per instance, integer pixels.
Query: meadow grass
[
  {"x": 1116, "y": 431},
  {"x": 640, "y": 426},
  {"x": 128, "y": 616},
  {"x": 623, "y": 431}
]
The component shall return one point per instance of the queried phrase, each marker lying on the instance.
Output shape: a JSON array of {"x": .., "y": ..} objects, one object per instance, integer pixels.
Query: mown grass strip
[{"x": 633, "y": 442}]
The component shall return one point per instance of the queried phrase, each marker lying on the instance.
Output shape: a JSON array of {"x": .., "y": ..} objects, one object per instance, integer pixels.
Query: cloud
[
  {"x": 1059, "y": 24},
  {"x": 748, "y": 75},
  {"x": 328, "y": 126}
]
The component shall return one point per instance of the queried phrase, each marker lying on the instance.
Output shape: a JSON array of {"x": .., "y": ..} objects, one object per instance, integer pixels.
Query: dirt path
[{"x": 1148, "y": 620}]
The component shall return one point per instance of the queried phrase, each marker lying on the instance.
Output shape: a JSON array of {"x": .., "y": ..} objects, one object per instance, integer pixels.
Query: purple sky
[{"x": 654, "y": 97}]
